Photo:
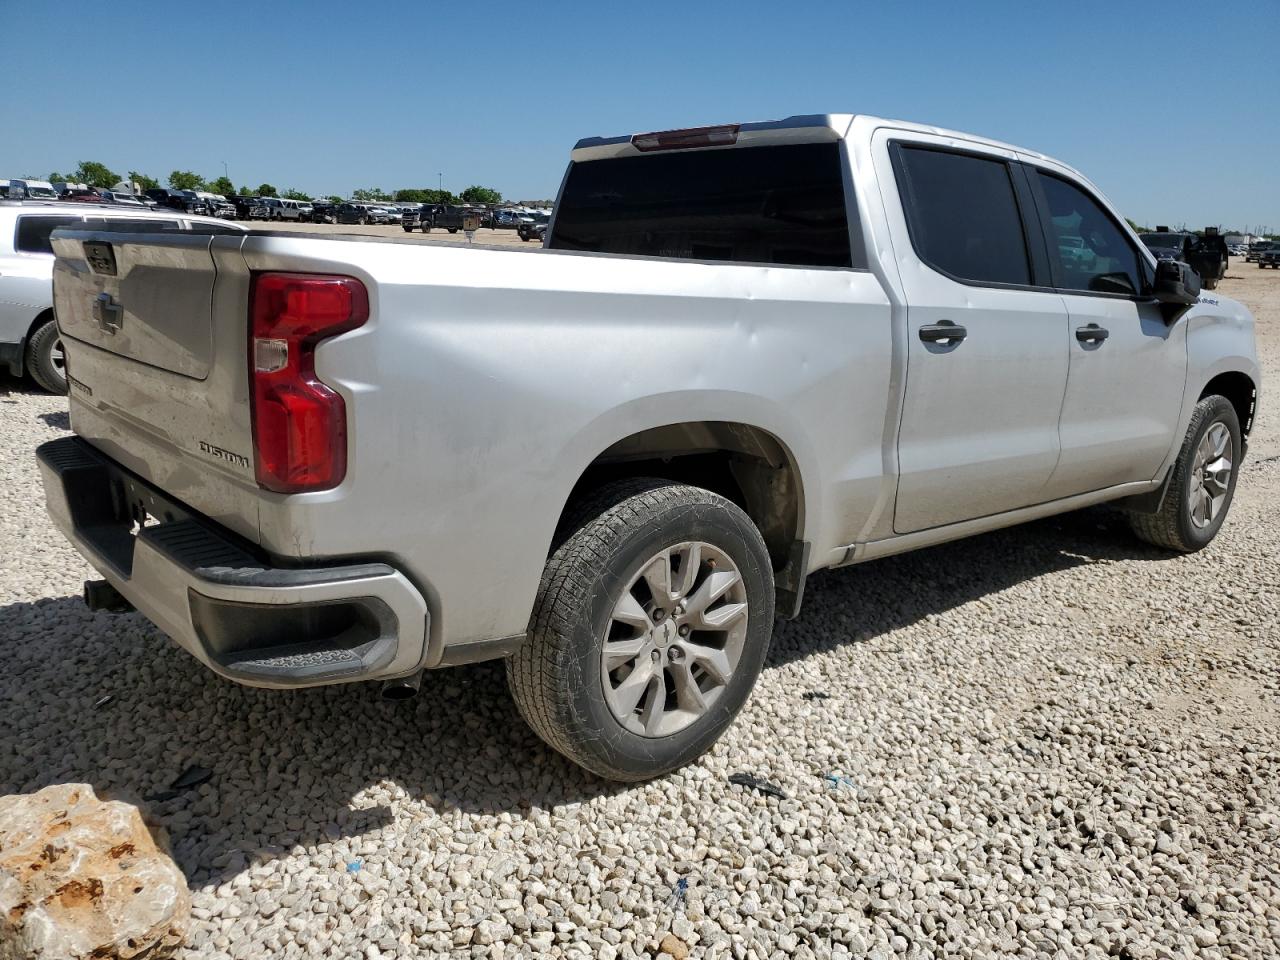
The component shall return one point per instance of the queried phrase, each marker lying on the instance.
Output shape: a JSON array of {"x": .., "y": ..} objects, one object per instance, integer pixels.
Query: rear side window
[
  {"x": 963, "y": 215},
  {"x": 781, "y": 205},
  {"x": 33, "y": 232}
]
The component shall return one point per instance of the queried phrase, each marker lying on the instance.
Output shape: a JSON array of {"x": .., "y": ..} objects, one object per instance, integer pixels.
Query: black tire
[
  {"x": 1210, "y": 284},
  {"x": 453, "y": 229},
  {"x": 43, "y": 349},
  {"x": 408, "y": 229},
  {"x": 555, "y": 678},
  {"x": 1172, "y": 527}
]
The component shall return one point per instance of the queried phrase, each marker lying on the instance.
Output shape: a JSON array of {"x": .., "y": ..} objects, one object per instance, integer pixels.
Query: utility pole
[{"x": 440, "y": 182}]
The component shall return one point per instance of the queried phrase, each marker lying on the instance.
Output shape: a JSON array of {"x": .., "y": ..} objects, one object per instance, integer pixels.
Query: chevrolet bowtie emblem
[{"x": 107, "y": 313}]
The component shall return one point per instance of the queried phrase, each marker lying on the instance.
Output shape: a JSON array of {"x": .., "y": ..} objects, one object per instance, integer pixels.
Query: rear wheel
[
  {"x": 1203, "y": 481},
  {"x": 46, "y": 360},
  {"x": 650, "y": 627}
]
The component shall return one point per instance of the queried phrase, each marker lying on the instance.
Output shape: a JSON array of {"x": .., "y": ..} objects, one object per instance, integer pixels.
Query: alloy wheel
[
  {"x": 1210, "y": 475},
  {"x": 674, "y": 638}
]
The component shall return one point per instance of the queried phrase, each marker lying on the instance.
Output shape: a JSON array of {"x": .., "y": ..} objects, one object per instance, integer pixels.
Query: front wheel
[
  {"x": 650, "y": 627},
  {"x": 1203, "y": 481},
  {"x": 46, "y": 361}
]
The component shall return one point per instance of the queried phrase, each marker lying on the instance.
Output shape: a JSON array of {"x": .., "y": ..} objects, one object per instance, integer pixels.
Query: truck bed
[{"x": 482, "y": 385}]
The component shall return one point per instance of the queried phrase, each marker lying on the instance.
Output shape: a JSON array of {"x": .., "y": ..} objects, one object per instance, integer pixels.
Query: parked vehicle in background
[
  {"x": 81, "y": 195},
  {"x": 353, "y": 212},
  {"x": 421, "y": 217},
  {"x": 1269, "y": 255},
  {"x": 183, "y": 201},
  {"x": 29, "y": 340},
  {"x": 505, "y": 219},
  {"x": 533, "y": 228},
  {"x": 367, "y": 458},
  {"x": 277, "y": 208},
  {"x": 1207, "y": 255},
  {"x": 121, "y": 199},
  {"x": 1255, "y": 248},
  {"x": 20, "y": 189},
  {"x": 324, "y": 211},
  {"x": 216, "y": 205},
  {"x": 411, "y": 218},
  {"x": 445, "y": 216},
  {"x": 380, "y": 214}
]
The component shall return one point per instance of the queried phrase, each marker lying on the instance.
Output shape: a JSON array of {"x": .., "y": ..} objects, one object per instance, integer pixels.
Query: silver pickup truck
[{"x": 745, "y": 353}]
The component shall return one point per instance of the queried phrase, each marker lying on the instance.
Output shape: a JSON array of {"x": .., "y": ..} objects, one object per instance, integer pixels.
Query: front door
[
  {"x": 986, "y": 355},
  {"x": 1128, "y": 368}
]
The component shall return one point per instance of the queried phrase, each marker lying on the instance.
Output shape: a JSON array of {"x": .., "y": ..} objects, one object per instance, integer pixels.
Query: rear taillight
[
  {"x": 686, "y": 139},
  {"x": 299, "y": 423}
]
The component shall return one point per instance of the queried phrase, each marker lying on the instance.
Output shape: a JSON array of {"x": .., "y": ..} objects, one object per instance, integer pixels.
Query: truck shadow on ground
[{"x": 314, "y": 766}]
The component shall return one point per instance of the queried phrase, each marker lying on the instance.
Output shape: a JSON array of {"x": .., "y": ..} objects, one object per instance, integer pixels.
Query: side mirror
[{"x": 1176, "y": 283}]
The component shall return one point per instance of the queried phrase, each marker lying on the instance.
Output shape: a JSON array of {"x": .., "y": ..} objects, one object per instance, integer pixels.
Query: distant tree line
[{"x": 99, "y": 175}]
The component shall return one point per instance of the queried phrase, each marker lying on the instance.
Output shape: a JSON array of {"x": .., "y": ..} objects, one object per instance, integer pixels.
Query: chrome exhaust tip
[{"x": 402, "y": 688}]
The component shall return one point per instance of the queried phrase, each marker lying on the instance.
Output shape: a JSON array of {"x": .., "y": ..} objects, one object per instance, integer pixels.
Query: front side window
[
  {"x": 963, "y": 215},
  {"x": 1088, "y": 249},
  {"x": 779, "y": 205},
  {"x": 33, "y": 232}
]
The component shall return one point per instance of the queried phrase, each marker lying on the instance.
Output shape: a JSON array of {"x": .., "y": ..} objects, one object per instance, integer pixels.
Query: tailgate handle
[{"x": 107, "y": 313}]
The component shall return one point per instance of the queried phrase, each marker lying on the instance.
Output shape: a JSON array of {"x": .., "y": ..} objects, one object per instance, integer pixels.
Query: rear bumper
[{"x": 245, "y": 618}]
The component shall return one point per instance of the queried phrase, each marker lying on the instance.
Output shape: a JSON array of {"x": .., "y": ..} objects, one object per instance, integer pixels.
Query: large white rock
[{"x": 81, "y": 878}]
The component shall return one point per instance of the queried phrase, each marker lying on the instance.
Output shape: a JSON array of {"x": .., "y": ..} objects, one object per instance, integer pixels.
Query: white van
[{"x": 28, "y": 190}]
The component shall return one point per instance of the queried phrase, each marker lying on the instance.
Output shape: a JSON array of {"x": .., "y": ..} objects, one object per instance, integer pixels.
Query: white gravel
[{"x": 1047, "y": 741}]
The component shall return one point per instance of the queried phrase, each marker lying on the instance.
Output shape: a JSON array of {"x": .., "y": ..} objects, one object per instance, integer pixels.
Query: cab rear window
[
  {"x": 32, "y": 234},
  {"x": 774, "y": 205}
]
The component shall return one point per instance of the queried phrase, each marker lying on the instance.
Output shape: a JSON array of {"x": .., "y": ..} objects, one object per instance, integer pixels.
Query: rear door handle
[
  {"x": 1092, "y": 333},
  {"x": 946, "y": 332}
]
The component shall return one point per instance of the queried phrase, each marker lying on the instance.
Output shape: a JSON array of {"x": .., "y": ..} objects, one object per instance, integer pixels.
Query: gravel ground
[{"x": 1047, "y": 740}]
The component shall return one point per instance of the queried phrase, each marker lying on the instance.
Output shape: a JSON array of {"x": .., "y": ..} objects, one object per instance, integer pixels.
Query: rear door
[
  {"x": 1127, "y": 367},
  {"x": 986, "y": 351}
]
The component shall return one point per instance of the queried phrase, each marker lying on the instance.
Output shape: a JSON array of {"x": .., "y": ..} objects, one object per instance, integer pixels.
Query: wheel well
[
  {"x": 742, "y": 463},
  {"x": 41, "y": 319},
  {"x": 1239, "y": 390}
]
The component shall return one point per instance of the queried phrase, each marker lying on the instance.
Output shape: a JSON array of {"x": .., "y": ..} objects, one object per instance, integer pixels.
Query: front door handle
[
  {"x": 1092, "y": 333},
  {"x": 946, "y": 332}
]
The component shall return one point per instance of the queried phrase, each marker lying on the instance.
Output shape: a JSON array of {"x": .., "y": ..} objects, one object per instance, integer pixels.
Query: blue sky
[{"x": 328, "y": 96}]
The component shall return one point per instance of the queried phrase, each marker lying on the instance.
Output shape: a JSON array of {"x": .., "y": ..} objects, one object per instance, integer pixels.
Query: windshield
[
  {"x": 1163, "y": 241},
  {"x": 42, "y": 193}
]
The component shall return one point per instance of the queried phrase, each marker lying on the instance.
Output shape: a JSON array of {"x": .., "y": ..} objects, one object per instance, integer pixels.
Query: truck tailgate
[{"x": 156, "y": 337}]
